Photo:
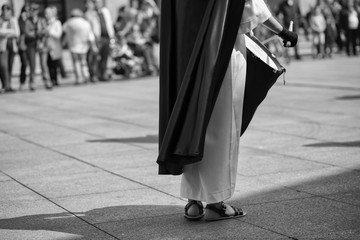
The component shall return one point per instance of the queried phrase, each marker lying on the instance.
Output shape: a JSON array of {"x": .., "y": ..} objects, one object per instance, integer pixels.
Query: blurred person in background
[
  {"x": 335, "y": 7},
  {"x": 36, "y": 37},
  {"x": 318, "y": 27},
  {"x": 12, "y": 44},
  {"x": 148, "y": 22},
  {"x": 331, "y": 30},
  {"x": 61, "y": 66},
  {"x": 54, "y": 31},
  {"x": 80, "y": 39},
  {"x": 289, "y": 11},
  {"x": 8, "y": 31},
  {"x": 104, "y": 35},
  {"x": 137, "y": 26},
  {"x": 127, "y": 17},
  {"x": 92, "y": 57},
  {"x": 122, "y": 21},
  {"x": 22, "y": 45},
  {"x": 350, "y": 23}
]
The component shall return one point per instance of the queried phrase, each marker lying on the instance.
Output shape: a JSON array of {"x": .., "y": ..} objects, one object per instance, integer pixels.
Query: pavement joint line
[
  {"x": 299, "y": 136},
  {"x": 95, "y": 193},
  {"x": 69, "y": 128},
  {"x": 312, "y": 195},
  {"x": 283, "y": 200},
  {"x": 329, "y": 199},
  {"x": 94, "y": 166},
  {"x": 299, "y": 158},
  {"x": 261, "y": 227},
  {"x": 52, "y": 107},
  {"x": 106, "y": 96},
  {"x": 58, "y": 205},
  {"x": 301, "y": 198}
]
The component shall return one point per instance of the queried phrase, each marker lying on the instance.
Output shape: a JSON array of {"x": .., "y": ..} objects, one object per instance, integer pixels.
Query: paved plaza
[{"x": 78, "y": 162}]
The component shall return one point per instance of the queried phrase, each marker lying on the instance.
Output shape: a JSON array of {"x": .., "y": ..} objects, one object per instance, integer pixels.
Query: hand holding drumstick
[
  {"x": 289, "y": 37},
  {"x": 291, "y": 28}
]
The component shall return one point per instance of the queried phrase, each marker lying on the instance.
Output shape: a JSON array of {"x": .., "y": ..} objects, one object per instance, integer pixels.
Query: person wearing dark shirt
[
  {"x": 22, "y": 46},
  {"x": 290, "y": 11},
  {"x": 36, "y": 37},
  {"x": 104, "y": 35}
]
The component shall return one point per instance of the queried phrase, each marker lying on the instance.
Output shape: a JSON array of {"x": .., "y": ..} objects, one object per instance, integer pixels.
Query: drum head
[{"x": 262, "y": 52}]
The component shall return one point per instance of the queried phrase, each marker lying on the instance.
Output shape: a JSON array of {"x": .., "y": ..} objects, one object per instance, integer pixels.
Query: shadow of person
[
  {"x": 317, "y": 207},
  {"x": 122, "y": 222},
  {"x": 117, "y": 222}
]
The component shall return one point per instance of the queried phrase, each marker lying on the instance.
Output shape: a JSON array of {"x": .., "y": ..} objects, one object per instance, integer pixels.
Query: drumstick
[
  {"x": 291, "y": 28},
  {"x": 269, "y": 39}
]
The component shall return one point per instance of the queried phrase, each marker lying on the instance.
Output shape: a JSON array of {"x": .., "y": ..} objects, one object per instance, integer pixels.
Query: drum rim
[{"x": 280, "y": 67}]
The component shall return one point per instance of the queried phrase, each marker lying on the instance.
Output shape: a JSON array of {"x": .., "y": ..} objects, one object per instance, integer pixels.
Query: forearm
[
  {"x": 7, "y": 33},
  {"x": 290, "y": 38},
  {"x": 56, "y": 30},
  {"x": 273, "y": 25}
]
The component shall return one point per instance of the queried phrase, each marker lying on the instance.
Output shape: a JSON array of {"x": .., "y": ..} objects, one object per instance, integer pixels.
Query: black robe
[{"x": 190, "y": 78}]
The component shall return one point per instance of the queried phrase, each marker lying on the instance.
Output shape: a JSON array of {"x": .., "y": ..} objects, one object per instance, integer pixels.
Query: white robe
[{"x": 213, "y": 179}]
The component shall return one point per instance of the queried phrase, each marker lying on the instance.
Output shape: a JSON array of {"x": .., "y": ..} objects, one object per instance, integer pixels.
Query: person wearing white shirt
[
  {"x": 353, "y": 30},
  {"x": 54, "y": 30},
  {"x": 80, "y": 40},
  {"x": 9, "y": 32}
]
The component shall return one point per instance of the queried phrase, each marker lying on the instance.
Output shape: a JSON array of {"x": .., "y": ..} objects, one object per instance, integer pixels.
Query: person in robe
[{"x": 203, "y": 66}]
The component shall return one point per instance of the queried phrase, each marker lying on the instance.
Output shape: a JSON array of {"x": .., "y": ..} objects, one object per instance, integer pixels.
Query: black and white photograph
[{"x": 179, "y": 119}]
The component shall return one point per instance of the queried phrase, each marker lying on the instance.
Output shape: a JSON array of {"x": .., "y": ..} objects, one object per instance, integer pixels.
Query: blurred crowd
[
  {"x": 332, "y": 26},
  {"x": 91, "y": 36},
  {"x": 131, "y": 41}
]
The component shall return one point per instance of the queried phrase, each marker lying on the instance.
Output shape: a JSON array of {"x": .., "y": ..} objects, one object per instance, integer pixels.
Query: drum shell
[{"x": 260, "y": 77}]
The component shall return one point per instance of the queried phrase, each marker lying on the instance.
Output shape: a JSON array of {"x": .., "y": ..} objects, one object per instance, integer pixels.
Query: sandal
[
  {"x": 220, "y": 214},
  {"x": 197, "y": 204}
]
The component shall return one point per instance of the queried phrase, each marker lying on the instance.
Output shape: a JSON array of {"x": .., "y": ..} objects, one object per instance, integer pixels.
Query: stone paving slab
[
  {"x": 176, "y": 227},
  {"x": 264, "y": 162},
  {"x": 122, "y": 205},
  {"x": 82, "y": 183},
  {"x": 91, "y": 151},
  {"x": 26, "y": 215},
  {"x": 305, "y": 217},
  {"x": 95, "y": 149}
]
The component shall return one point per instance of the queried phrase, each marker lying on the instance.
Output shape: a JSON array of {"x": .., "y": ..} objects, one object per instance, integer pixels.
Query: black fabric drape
[{"x": 196, "y": 42}]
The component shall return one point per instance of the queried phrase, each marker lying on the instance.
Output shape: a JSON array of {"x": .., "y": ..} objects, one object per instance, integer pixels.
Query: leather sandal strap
[
  {"x": 238, "y": 211},
  {"x": 221, "y": 211},
  {"x": 197, "y": 203}
]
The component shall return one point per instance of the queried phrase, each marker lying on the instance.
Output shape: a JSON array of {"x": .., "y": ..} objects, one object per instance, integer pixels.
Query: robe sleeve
[{"x": 255, "y": 13}]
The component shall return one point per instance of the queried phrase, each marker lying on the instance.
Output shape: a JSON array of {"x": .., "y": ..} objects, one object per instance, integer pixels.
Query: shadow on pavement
[
  {"x": 349, "y": 97},
  {"x": 146, "y": 139},
  {"x": 324, "y": 208},
  {"x": 335, "y": 144}
]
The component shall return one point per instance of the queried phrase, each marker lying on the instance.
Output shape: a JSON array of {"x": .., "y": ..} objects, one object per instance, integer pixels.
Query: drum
[{"x": 263, "y": 69}]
